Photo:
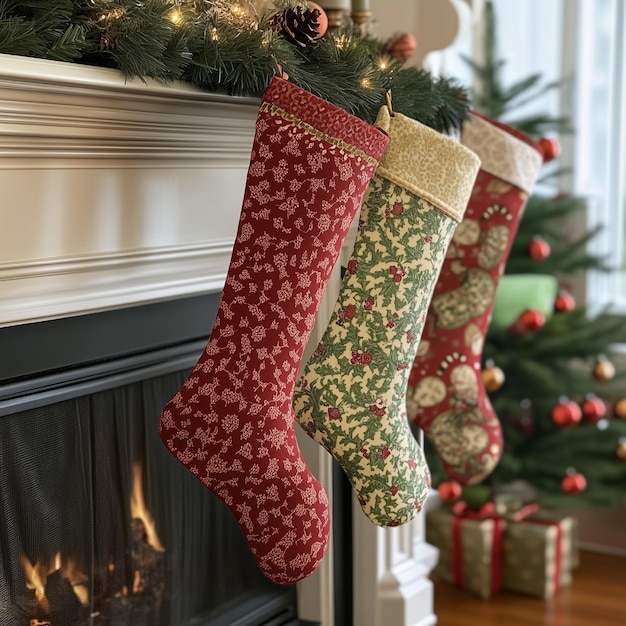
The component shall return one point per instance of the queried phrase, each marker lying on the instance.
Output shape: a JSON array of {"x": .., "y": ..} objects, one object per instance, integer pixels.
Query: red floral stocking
[
  {"x": 231, "y": 423},
  {"x": 446, "y": 397}
]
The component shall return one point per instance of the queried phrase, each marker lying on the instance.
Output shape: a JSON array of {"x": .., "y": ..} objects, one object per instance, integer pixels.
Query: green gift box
[
  {"x": 469, "y": 550},
  {"x": 518, "y": 292},
  {"x": 538, "y": 555}
]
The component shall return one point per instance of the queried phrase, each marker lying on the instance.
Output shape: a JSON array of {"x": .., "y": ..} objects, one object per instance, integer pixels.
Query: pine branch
[
  {"x": 347, "y": 61},
  {"x": 20, "y": 36}
]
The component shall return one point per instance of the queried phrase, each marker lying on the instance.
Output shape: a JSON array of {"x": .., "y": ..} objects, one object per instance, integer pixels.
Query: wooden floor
[{"x": 597, "y": 597}]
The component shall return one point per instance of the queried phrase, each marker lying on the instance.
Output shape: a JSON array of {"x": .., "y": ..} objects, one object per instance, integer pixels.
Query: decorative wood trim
[
  {"x": 52, "y": 110},
  {"x": 115, "y": 192},
  {"x": 43, "y": 289}
]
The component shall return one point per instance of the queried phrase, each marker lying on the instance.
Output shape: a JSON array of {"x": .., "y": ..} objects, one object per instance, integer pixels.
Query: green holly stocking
[{"x": 351, "y": 395}]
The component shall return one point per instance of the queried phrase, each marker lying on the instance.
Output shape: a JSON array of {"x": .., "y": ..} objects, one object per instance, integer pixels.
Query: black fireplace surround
[{"x": 99, "y": 525}]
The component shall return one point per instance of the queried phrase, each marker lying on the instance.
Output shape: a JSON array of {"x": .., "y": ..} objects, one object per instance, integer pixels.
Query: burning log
[
  {"x": 134, "y": 593},
  {"x": 49, "y": 598}
]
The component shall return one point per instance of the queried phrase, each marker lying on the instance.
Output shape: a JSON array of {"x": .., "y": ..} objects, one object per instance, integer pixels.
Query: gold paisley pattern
[
  {"x": 502, "y": 155},
  {"x": 429, "y": 165}
]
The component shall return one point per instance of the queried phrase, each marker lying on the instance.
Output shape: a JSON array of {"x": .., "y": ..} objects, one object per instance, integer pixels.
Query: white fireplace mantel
[{"x": 115, "y": 194}]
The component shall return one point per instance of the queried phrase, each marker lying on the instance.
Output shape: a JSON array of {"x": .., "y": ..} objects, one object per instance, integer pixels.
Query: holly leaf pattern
[{"x": 351, "y": 396}]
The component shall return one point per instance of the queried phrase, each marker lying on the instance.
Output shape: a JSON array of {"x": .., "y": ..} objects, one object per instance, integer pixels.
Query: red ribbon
[
  {"x": 461, "y": 513},
  {"x": 524, "y": 512}
]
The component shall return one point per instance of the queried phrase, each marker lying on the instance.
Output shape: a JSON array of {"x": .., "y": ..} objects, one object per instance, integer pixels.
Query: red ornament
[
  {"x": 566, "y": 413},
  {"x": 593, "y": 408},
  {"x": 530, "y": 321},
  {"x": 538, "y": 249},
  {"x": 449, "y": 491},
  {"x": 551, "y": 148},
  {"x": 402, "y": 47},
  {"x": 564, "y": 302},
  {"x": 574, "y": 483}
]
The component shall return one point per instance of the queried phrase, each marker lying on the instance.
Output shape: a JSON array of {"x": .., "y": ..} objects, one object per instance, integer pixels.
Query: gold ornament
[
  {"x": 603, "y": 369},
  {"x": 620, "y": 451},
  {"x": 619, "y": 409},
  {"x": 493, "y": 378}
]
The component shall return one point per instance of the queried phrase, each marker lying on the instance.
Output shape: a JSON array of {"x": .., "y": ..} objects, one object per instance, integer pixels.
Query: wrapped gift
[
  {"x": 538, "y": 554},
  {"x": 518, "y": 292},
  {"x": 469, "y": 545}
]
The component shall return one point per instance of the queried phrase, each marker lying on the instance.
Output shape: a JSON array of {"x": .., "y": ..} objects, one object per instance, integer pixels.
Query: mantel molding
[
  {"x": 51, "y": 110},
  {"x": 114, "y": 192}
]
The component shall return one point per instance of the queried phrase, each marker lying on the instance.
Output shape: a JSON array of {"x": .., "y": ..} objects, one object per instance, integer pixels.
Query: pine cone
[{"x": 298, "y": 26}]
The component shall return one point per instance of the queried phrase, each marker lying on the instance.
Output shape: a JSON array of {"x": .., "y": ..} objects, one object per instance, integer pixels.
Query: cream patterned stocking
[{"x": 351, "y": 396}]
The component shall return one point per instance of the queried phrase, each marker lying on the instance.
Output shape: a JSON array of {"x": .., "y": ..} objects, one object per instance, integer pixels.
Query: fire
[
  {"x": 139, "y": 510},
  {"x": 37, "y": 578},
  {"x": 77, "y": 579}
]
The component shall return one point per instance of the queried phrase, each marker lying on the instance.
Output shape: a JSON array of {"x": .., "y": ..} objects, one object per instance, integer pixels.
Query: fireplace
[
  {"x": 100, "y": 525},
  {"x": 119, "y": 207}
]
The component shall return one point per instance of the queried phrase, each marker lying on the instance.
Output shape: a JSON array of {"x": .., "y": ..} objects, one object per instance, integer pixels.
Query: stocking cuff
[
  {"x": 503, "y": 151},
  {"x": 324, "y": 120},
  {"x": 427, "y": 163}
]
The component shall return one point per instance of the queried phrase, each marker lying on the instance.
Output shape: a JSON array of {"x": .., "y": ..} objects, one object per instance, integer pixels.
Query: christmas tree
[{"x": 546, "y": 359}]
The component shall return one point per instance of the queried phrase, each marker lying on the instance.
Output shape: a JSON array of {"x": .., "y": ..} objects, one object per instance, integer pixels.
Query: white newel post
[{"x": 391, "y": 570}]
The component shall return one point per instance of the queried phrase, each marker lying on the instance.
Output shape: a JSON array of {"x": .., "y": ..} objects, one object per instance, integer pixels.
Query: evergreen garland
[{"x": 222, "y": 46}]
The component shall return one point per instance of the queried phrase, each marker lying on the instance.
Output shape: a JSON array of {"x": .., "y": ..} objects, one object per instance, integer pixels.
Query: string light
[
  {"x": 237, "y": 10},
  {"x": 342, "y": 42},
  {"x": 114, "y": 14},
  {"x": 366, "y": 83},
  {"x": 267, "y": 38},
  {"x": 176, "y": 17},
  {"x": 215, "y": 36}
]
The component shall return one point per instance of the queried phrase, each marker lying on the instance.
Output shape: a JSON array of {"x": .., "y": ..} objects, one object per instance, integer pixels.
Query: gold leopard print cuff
[
  {"x": 502, "y": 154},
  {"x": 427, "y": 163}
]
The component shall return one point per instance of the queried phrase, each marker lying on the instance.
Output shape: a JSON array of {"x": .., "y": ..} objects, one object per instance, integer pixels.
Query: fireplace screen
[{"x": 101, "y": 526}]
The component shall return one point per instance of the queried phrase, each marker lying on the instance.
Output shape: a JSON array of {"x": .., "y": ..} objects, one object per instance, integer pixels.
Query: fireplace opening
[{"x": 100, "y": 525}]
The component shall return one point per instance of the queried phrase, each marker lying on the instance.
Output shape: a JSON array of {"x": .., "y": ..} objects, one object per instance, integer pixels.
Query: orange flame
[
  {"x": 77, "y": 579},
  {"x": 36, "y": 577},
  {"x": 139, "y": 510}
]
